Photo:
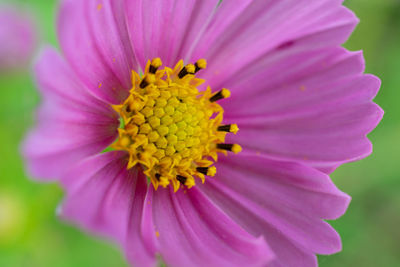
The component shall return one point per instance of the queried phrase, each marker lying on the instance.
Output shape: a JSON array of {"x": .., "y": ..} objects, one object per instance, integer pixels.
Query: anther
[
  {"x": 224, "y": 93},
  {"x": 230, "y": 147},
  {"x": 199, "y": 65},
  {"x": 210, "y": 171},
  {"x": 155, "y": 64},
  {"x": 181, "y": 179},
  {"x": 188, "y": 69},
  {"x": 230, "y": 128},
  {"x": 144, "y": 83},
  {"x": 148, "y": 79},
  {"x": 202, "y": 170}
]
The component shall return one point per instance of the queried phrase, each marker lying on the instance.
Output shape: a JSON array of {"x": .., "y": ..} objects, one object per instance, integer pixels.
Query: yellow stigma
[{"x": 169, "y": 128}]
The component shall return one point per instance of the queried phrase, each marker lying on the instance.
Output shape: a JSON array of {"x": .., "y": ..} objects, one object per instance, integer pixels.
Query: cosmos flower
[
  {"x": 203, "y": 133},
  {"x": 17, "y": 38}
]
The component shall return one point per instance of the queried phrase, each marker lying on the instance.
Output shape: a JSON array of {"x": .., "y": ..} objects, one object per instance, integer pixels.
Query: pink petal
[
  {"x": 141, "y": 244},
  {"x": 284, "y": 202},
  {"x": 319, "y": 113},
  {"x": 261, "y": 29},
  {"x": 105, "y": 198},
  {"x": 72, "y": 124},
  {"x": 193, "y": 232},
  {"x": 95, "y": 40},
  {"x": 166, "y": 28}
]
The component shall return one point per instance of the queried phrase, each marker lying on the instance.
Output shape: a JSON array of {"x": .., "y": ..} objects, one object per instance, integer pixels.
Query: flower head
[
  {"x": 170, "y": 128},
  {"x": 136, "y": 119},
  {"x": 17, "y": 38}
]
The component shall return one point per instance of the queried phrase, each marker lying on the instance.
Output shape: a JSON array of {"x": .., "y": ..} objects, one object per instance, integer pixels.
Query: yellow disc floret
[{"x": 170, "y": 128}]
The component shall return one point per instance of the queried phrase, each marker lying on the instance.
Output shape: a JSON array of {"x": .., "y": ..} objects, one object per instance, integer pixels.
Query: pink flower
[
  {"x": 17, "y": 38},
  {"x": 302, "y": 103}
]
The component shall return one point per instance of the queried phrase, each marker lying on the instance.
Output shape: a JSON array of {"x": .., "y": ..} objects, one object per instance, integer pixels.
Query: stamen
[
  {"x": 155, "y": 64},
  {"x": 235, "y": 148},
  {"x": 188, "y": 69},
  {"x": 230, "y": 128},
  {"x": 181, "y": 179},
  {"x": 210, "y": 171},
  {"x": 224, "y": 93},
  {"x": 148, "y": 79},
  {"x": 200, "y": 64}
]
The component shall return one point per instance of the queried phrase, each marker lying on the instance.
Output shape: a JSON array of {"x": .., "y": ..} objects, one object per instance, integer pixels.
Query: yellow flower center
[{"x": 170, "y": 128}]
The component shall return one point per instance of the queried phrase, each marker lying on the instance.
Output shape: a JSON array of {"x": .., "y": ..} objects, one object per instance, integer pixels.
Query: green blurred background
[{"x": 31, "y": 234}]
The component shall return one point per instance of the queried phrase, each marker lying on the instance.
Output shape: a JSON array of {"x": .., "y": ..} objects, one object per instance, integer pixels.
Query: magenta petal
[
  {"x": 284, "y": 202},
  {"x": 291, "y": 185},
  {"x": 193, "y": 232},
  {"x": 141, "y": 242},
  {"x": 265, "y": 28},
  {"x": 104, "y": 197},
  {"x": 94, "y": 39},
  {"x": 319, "y": 113},
  {"x": 166, "y": 28},
  {"x": 98, "y": 194},
  {"x": 72, "y": 124},
  {"x": 224, "y": 17}
]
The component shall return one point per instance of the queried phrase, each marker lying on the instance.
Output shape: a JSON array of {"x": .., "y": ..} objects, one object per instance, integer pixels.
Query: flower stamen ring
[{"x": 170, "y": 128}]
